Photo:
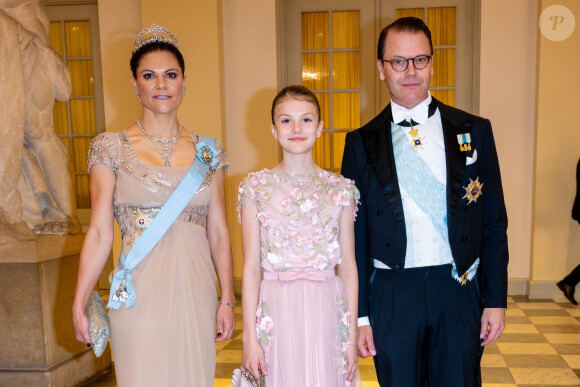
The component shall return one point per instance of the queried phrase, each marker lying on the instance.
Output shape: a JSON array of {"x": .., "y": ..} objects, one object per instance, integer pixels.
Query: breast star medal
[
  {"x": 473, "y": 190},
  {"x": 417, "y": 141},
  {"x": 464, "y": 141}
]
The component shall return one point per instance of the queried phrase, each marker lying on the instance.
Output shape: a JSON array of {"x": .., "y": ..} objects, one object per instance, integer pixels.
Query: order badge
[{"x": 473, "y": 190}]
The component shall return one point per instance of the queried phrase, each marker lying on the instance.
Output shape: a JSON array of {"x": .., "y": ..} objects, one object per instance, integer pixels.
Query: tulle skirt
[
  {"x": 167, "y": 338},
  {"x": 302, "y": 326}
]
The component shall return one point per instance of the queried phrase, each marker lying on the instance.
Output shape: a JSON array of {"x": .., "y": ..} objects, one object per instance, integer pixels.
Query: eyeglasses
[{"x": 401, "y": 64}]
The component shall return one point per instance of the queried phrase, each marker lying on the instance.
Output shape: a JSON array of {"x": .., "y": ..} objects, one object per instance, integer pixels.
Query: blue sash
[
  {"x": 122, "y": 290},
  {"x": 420, "y": 183}
]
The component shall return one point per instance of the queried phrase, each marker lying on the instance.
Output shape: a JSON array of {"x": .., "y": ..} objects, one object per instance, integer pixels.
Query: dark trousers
[
  {"x": 573, "y": 278},
  {"x": 425, "y": 328}
]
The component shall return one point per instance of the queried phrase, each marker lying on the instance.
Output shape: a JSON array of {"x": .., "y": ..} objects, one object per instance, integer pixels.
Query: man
[
  {"x": 430, "y": 237},
  {"x": 568, "y": 284}
]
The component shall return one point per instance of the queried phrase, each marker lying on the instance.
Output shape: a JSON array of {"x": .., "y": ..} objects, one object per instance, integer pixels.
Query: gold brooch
[
  {"x": 473, "y": 190},
  {"x": 205, "y": 155}
]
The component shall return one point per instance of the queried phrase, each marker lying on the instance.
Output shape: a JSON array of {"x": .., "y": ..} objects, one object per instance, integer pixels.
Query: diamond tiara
[{"x": 152, "y": 34}]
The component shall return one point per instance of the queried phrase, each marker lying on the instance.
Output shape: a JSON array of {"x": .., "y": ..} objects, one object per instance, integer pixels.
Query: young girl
[{"x": 297, "y": 225}]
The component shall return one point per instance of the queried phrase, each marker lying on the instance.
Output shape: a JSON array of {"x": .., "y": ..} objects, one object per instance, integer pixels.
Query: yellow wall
[
  {"x": 556, "y": 237},
  {"x": 531, "y": 96},
  {"x": 250, "y": 85},
  {"x": 507, "y": 98}
]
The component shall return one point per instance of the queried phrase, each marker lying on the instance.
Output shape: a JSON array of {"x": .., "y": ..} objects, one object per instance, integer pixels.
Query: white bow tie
[{"x": 419, "y": 113}]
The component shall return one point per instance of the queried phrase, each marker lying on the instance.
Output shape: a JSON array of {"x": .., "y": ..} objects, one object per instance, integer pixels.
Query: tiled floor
[{"x": 539, "y": 347}]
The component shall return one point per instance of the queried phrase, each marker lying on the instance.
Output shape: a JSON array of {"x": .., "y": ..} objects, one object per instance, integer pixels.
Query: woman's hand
[
  {"x": 352, "y": 358},
  {"x": 225, "y": 322},
  {"x": 253, "y": 359},
  {"x": 81, "y": 325}
]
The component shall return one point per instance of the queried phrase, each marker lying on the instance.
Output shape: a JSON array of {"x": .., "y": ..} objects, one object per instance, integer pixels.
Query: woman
[{"x": 168, "y": 337}]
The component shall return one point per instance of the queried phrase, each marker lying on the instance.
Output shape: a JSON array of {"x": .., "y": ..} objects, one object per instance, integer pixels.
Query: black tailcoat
[{"x": 476, "y": 229}]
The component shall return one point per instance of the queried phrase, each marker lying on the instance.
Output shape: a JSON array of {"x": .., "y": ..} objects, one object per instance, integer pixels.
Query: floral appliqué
[
  {"x": 264, "y": 325},
  {"x": 342, "y": 334},
  {"x": 298, "y": 217}
]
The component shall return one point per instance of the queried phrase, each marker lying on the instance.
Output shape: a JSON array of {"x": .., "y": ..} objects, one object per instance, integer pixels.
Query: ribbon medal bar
[{"x": 464, "y": 141}]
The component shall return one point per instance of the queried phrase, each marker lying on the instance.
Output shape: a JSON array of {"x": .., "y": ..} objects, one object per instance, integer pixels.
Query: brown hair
[
  {"x": 297, "y": 92},
  {"x": 155, "y": 47},
  {"x": 404, "y": 24}
]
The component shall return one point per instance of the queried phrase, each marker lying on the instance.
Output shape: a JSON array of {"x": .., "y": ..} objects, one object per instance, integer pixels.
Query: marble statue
[{"x": 36, "y": 195}]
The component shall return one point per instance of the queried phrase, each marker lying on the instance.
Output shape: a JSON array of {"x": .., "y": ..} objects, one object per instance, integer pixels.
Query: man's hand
[
  {"x": 492, "y": 325},
  {"x": 365, "y": 343}
]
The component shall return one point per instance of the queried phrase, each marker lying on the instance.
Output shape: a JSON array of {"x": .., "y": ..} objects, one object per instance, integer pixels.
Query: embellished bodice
[
  {"x": 299, "y": 217},
  {"x": 141, "y": 189}
]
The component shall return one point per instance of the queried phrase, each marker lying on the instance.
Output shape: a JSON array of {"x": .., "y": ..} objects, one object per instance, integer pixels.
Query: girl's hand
[
  {"x": 225, "y": 322},
  {"x": 352, "y": 358},
  {"x": 253, "y": 359}
]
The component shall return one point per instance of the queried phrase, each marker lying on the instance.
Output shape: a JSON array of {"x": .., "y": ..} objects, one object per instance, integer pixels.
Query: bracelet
[{"x": 227, "y": 303}]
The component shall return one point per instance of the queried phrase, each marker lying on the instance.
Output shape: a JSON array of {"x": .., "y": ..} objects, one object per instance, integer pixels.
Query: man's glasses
[{"x": 401, "y": 64}]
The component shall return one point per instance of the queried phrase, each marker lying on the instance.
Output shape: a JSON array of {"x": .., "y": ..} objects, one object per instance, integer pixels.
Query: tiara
[{"x": 152, "y": 34}]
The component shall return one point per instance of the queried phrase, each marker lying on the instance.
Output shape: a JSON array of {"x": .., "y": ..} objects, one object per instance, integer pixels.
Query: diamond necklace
[{"x": 166, "y": 153}]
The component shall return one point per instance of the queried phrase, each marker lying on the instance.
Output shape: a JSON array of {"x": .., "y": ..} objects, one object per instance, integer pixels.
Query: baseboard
[
  {"x": 545, "y": 290},
  {"x": 518, "y": 286}
]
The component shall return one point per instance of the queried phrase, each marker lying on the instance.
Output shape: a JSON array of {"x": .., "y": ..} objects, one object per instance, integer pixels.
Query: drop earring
[
  {"x": 184, "y": 92},
  {"x": 137, "y": 94}
]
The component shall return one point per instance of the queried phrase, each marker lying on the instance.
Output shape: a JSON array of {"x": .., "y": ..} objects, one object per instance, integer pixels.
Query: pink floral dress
[{"x": 302, "y": 319}]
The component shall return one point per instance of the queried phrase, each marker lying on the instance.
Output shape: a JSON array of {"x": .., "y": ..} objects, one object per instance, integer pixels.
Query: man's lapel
[
  {"x": 378, "y": 143},
  {"x": 455, "y": 159}
]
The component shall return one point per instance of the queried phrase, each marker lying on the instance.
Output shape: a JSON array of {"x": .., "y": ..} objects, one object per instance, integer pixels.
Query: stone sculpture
[{"x": 36, "y": 195}]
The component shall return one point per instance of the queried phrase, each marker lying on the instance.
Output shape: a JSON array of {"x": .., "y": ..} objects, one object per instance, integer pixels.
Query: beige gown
[{"x": 167, "y": 338}]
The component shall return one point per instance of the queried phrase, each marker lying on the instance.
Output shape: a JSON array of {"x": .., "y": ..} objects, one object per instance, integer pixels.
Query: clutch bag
[
  {"x": 99, "y": 326},
  {"x": 244, "y": 378}
]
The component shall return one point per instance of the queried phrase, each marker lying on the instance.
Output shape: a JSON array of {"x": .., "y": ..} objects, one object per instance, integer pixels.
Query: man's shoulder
[
  {"x": 377, "y": 123},
  {"x": 457, "y": 116}
]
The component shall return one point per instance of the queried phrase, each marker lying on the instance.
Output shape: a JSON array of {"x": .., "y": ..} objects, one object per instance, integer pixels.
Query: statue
[{"x": 36, "y": 195}]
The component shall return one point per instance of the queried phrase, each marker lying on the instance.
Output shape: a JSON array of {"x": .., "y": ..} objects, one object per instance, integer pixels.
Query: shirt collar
[{"x": 419, "y": 113}]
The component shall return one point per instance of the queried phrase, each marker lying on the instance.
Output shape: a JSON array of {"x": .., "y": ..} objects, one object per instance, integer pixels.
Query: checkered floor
[{"x": 539, "y": 347}]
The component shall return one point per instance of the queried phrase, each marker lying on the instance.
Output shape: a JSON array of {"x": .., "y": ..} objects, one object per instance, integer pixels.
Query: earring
[
  {"x": 137, "y": 94},
  {"x": 184, "y": 92}
]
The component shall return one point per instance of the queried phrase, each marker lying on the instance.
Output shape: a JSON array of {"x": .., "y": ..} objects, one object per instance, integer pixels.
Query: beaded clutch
[
  {"x": 99, "y": 326},
  {"x": 244, "y": 378}
]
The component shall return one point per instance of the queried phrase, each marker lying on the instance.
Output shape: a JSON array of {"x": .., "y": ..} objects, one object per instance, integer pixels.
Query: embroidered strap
[
  {"x": 420, "y": 183},
  {"x": 122, "y": 290}
]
